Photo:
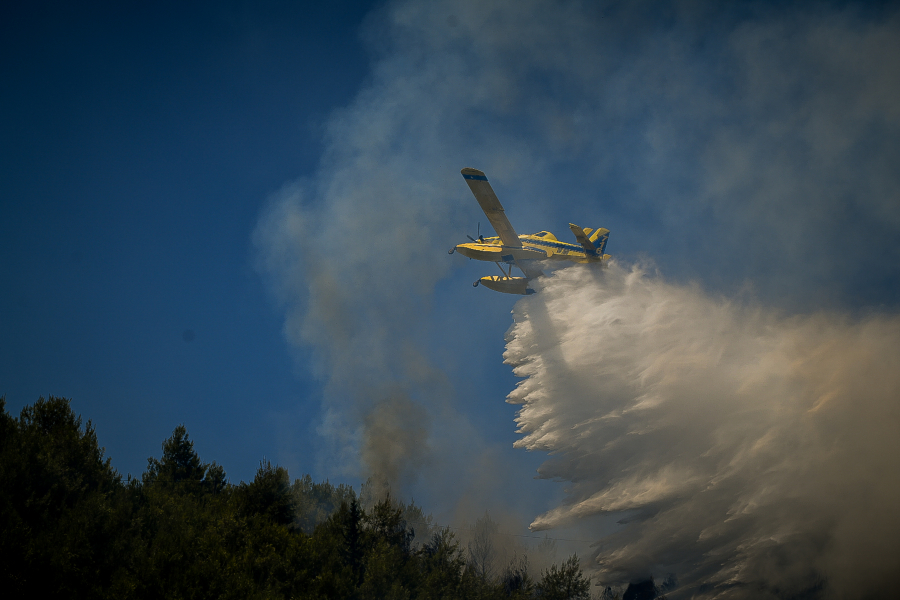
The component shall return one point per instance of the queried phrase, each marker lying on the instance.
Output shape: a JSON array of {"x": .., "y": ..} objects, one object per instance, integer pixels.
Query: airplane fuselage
[{"x": 538, "y": 246}]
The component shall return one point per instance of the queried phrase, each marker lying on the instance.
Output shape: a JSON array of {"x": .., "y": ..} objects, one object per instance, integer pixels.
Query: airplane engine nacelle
[{"x": 507, "y": 285}]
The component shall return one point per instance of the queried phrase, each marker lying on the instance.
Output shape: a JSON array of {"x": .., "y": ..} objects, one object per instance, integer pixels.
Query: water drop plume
[{"x": 751, "y": 453}]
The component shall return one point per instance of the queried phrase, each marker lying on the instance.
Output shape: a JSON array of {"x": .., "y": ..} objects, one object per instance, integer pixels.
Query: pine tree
[{"x": 564, "y": 583}]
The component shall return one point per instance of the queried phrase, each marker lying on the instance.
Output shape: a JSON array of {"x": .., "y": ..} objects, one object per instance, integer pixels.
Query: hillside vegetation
[{"x": 73, "y": 527}]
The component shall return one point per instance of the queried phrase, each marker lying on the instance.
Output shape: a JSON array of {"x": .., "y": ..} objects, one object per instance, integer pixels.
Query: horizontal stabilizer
[
  {"x": 593, "y": 245},
  {"x": 589, "y": 248}
]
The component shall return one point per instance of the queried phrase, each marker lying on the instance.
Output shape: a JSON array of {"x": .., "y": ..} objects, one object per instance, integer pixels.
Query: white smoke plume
[{"x": 753, "y": 454}]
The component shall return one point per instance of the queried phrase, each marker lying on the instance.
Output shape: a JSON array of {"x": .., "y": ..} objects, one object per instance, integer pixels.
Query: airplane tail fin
[
  {"x": 593, "y": 245},
  {"x": 599, "y": 239}
]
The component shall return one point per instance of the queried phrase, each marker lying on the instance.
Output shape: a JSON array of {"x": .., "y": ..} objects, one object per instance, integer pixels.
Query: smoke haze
[
  {"x": 751, "y": 148},
  {"x": 749, "y": 451}
]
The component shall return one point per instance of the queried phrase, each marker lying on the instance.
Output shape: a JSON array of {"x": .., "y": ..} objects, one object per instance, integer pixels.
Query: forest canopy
[{"x": 74, "y": 527}]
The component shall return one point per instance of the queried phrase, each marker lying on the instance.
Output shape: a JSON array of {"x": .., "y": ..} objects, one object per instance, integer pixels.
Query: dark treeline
[{"x": 74, "y": 527}]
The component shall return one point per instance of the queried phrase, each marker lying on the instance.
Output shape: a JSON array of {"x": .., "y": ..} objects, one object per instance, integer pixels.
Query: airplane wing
[{"x": 492, "y": 208}]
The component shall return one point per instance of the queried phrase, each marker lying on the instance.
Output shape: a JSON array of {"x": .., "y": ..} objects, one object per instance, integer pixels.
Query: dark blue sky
[{"x": 139, "y": 145}]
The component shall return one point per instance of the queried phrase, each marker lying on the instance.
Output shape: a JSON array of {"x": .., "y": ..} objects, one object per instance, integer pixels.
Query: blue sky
[
  {"x": 139, "y": 147},
  {"x": 237, "y": 216}
]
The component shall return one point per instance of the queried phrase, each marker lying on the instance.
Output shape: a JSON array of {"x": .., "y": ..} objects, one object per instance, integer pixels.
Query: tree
[
  {"x": 180, "y": 467},
  {"x": 188, "y": 527},
  {"x": 515, "y": 581},
  {"x": 442, "y": 566},
  {"x": 269, "y": 494},
  {"x": 64, "y": 527},
  {"x": 348, "y": 521},
  {"x": 388, "y": 568},
  {"x": 481, "y": 549},
  {"x": 641, "y": 590},
  {"x": 386, "y": 522},
  {"x": 316, "y": 502},
  {"x": 564, "y": 583}
]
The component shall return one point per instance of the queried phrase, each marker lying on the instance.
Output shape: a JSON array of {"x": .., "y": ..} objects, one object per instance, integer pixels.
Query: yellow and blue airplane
[{"x": 523, "y": 251}]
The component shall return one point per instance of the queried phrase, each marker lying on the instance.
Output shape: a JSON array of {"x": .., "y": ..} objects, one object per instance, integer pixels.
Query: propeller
[{"x": 480, "y": 237}]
